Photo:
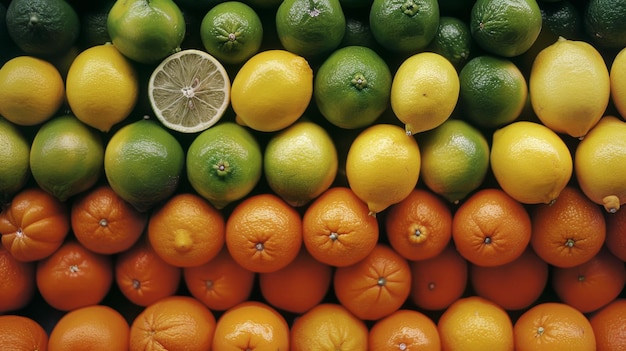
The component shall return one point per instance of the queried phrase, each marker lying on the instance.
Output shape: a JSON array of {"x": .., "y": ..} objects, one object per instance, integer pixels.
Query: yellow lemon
[
  {"x": 424, "y": 91},
  {"x": 600, "y": 163},
  {"x": 101, "y": 87},
  {"x": 383, "y": 166},
  {"x": 272, "y": 90},
  {"x": 618, "y": 82},
  {"x": 530, "y": 162},
  {"x": 560, "y": 84}
]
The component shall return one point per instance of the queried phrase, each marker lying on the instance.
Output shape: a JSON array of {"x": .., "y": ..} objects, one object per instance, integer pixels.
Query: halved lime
[{"x": 189, "y": 91}]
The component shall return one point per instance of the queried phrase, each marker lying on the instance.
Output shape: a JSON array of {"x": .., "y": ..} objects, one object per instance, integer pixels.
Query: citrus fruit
[
  {"x": 308, "y": 28},
  {"x": 101, "y": 87},
  {"x": 143, "y": 163},
  {"x": 232, "y": 32},
  {"x": 475, "y": 323},
  {"x": 520, "y": 144},
  {"x": 189, "y": 91},
  {"x": 352, "y": 87},
  {"x": 617, "y": 77},
  {"x": 224, "y": 163},
  {"x": 272, "y": 90},
  {"x": 186, "y": 231},
  {"x": 455, "y": 159},
  {"x": 424, "y": 91},
  {"x": 93, "y": 25},
  {"x": 66, "y": 157},
  {"x": 31, "y": 90},
  {"x": 17, "y": 282},
  {"x": 22, "y": 333},
  {"x": 358, "y": 32},
  {"x": 16, "y": 160},
  {"x": 493, "y": 91},
  {"x": 97, "y": 328},
  {"x": 404, "y": 26},
  {"x": 562, "y": 18},
  {"x": 300, "y": 162},
  {"x": 146, "y": 32},
  {"x": 598, "y": 163},
  {"x": 556, "y": 79},
  {"x": 453, "y": 40},
  {"x": 505, "y": 29},
  {"x": 382, "y": 166},
  {"x": 606, "y": 324},
  {"x": 604, "y": 23},
  {"x": 615, "y": 240},
  {"x": 42, "y": 28},
  {"x": 404, "y": 330}
]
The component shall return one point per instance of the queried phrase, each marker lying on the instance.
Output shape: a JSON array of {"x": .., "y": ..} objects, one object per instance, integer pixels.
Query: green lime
[
  {"x": 232, "y": 32},
  {"x": 455, "y": 159},
  {"x": 453, "y": 41},
  {"x": 406, "y": 26},
  {"x": 300, "y": 163},
  {"x": 66, "y": 157},
  {"x": 224, "y": 163},
  {"x": 15, "y": 160},
  {"x": 93, "y": 25},
  {"x": 562, "y": 18},
  {"x": 143, "y": 163},
  {"x": 42, "y": 27},
  {"x": 310, "y": 28},
  {"x": 605, "y": 23},
  {"x": 146, "y": 31},
  {"x": 358, "y": 33},
  {"x": 493, "y": 91},
  {"x": 506, "y": 28},
  {"x": 352, "y": 87}
]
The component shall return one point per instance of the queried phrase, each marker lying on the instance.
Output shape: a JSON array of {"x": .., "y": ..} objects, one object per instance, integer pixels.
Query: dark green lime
[
  {"x": 562, "y": 18},
  {"x": 93, "y": 25},
  {"x": 605, "y": 23},
  {"x": 453, "y": 41},
  {"x": 358, "y": 33}
]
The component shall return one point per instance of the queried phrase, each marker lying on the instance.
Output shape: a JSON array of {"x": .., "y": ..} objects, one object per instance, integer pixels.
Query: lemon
[
  {"x": 66, "y": 157},
  {"x": 143, "y": 163},
  {"x": 455, "y": 159},
  {"x": 189, "y": 91},
  {"x": 618, "y": 82},
  {"x": 272, "y": 90},
  {"x": 31, "y": 90},
  {"x": 424, "y": 91},
  {"x": 383, "y": 166},
  {"x": 300, "y": 163},
  {"x": 600, "y": 163},
  {"x": 530, "y": 162},
  {"x": 15, "y": 160},
  {"x": 101, "y": 87},
  {"x": 559, "y": 87}
]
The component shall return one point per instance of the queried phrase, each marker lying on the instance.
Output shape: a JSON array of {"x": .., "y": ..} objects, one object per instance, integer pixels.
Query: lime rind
[{"x": 189, "y": 91}]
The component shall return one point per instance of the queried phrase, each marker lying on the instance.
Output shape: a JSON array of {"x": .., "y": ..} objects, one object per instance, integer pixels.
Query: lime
[
  {"x": 42, "y": 27},
  {"x": 562, "y": 18},
  {"x": 143, "y": 163},
  {"x": 66, "y": 157},
  {"x": 455, "y": 159},
  {"x": 506, "y": 28},
  {"x": 224, "y": 163},
  {"x": 493, "y": 91},
  {"x": 232, "y": 32},
  {"x": 15, "y": 160},
  {"x": 605, "y": 23},
  {"x": 358, "y": 33},
  {"x": 300, "y": 163},
  {"x": 189, "y": 91},
  {"x": 146, "y": 31},
  {"x": 352, "y": 87},
  {"x": 453, "y": 41},
  {"x": 93, "y": 25},
  {"x": 406, "y": 26},
  {"x": 310, "y": 28}
]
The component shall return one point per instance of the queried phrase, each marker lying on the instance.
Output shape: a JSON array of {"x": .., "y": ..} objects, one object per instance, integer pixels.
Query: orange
[
  {"x": 143, "y": 277},
  {"x": 615, "y": 239},
  {"x": 328, "y": 327},
  {"x": 186, "y": 231},
  {"x": 220, "y": 283},
  {"x": 21, "y": 333},
  {"x": 570, "y": 231},
  {"x": 404, "y": 330},
  {"x": 552, "y": 326},
  {"x": 420, "y": 226},
  {"x": 491, "y": 228},
  {"x": 264, "y": 233},
  {"x": 34, "y": 225},
  {"x": 376, "y": 286},
  {"x": 591, "y": 285},
  {"x": 173, "y": 323},
  {"x": 74, "y": 277},
  {"x": 251, "y": 325},
  {"x": 475, "y": 323},
  {"x": 608, "y": 326},
  {"x": 337, "y": 228},
  {"x": 17, "y": 282},
  {"x": 439, "y": 281},
  {"x": 104, "y": 223},
  {"x": 94, "y": 328},
  {"x": 299, "y": 286},
  {"x": 514, "y": 285}
]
